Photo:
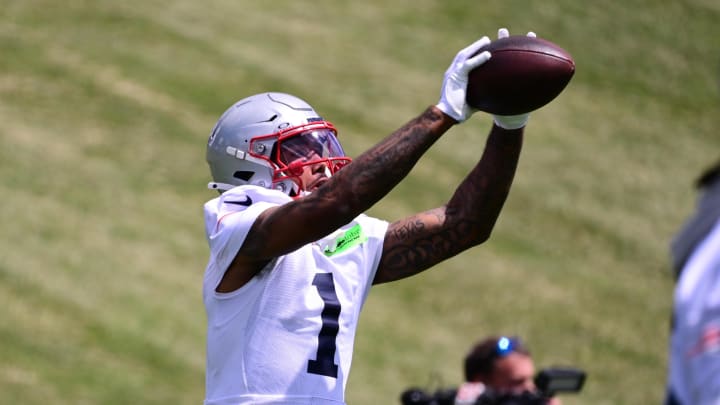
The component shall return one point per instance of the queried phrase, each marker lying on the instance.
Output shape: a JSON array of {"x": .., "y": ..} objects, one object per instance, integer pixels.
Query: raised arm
[
  {"x": 344, "y": 196},
  {"x": 371, "y": 176},
  {"x": 347, "y": 194},
  {"x": 420, "y": 241}
]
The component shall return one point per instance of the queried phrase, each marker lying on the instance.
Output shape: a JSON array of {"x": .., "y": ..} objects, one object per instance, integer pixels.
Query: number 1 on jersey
[{"x": 325, "y": 357}]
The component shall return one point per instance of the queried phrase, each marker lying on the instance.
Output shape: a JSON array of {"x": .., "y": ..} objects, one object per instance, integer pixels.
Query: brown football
[{"x": 523, "y": 74}]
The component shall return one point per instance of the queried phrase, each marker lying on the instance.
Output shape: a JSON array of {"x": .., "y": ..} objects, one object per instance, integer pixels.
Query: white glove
[
  {"x": 511, "y": 121},
  {"x": 452, "y": 96}
]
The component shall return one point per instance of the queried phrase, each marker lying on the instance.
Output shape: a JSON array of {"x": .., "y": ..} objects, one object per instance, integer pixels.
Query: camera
[{"x": 548, "y": 381}]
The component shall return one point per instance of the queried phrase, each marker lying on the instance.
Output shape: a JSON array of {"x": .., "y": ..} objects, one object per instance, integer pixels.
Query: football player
[{"x": 292, "y": 254}]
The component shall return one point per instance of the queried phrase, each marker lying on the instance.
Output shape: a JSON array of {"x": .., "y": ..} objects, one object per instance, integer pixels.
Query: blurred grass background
[{"x": 104, "y": 112}]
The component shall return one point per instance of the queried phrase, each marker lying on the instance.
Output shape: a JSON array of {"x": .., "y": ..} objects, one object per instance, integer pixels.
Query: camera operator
[
  {"x": 499, "y": 365},
  {"x": 500, "y": 371}
]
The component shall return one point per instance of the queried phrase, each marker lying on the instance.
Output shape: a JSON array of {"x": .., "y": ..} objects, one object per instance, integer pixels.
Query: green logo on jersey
[{"x": 353, "y": 236}]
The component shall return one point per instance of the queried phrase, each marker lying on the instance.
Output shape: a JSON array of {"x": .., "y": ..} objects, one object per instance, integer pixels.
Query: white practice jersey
[
  {"x": 695, "y": 340},
  {"x": 286, "y": 337}
]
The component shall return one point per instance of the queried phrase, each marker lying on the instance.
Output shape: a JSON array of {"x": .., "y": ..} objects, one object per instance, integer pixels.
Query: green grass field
[{"x": 104, "y": 112}]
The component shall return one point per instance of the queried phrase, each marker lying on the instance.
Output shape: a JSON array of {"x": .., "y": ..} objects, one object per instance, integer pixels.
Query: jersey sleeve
[{"x": 228, "y": 220}]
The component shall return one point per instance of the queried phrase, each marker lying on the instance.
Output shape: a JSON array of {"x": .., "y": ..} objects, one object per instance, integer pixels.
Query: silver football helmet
[{"x": 267, "y": 139}]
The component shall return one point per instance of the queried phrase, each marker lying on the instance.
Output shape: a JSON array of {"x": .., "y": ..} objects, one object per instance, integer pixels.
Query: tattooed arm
[
  {"x": 348, "y": 193},
  {"x": 465, "y": 221},
  {"x": 422, "y": 240}
]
